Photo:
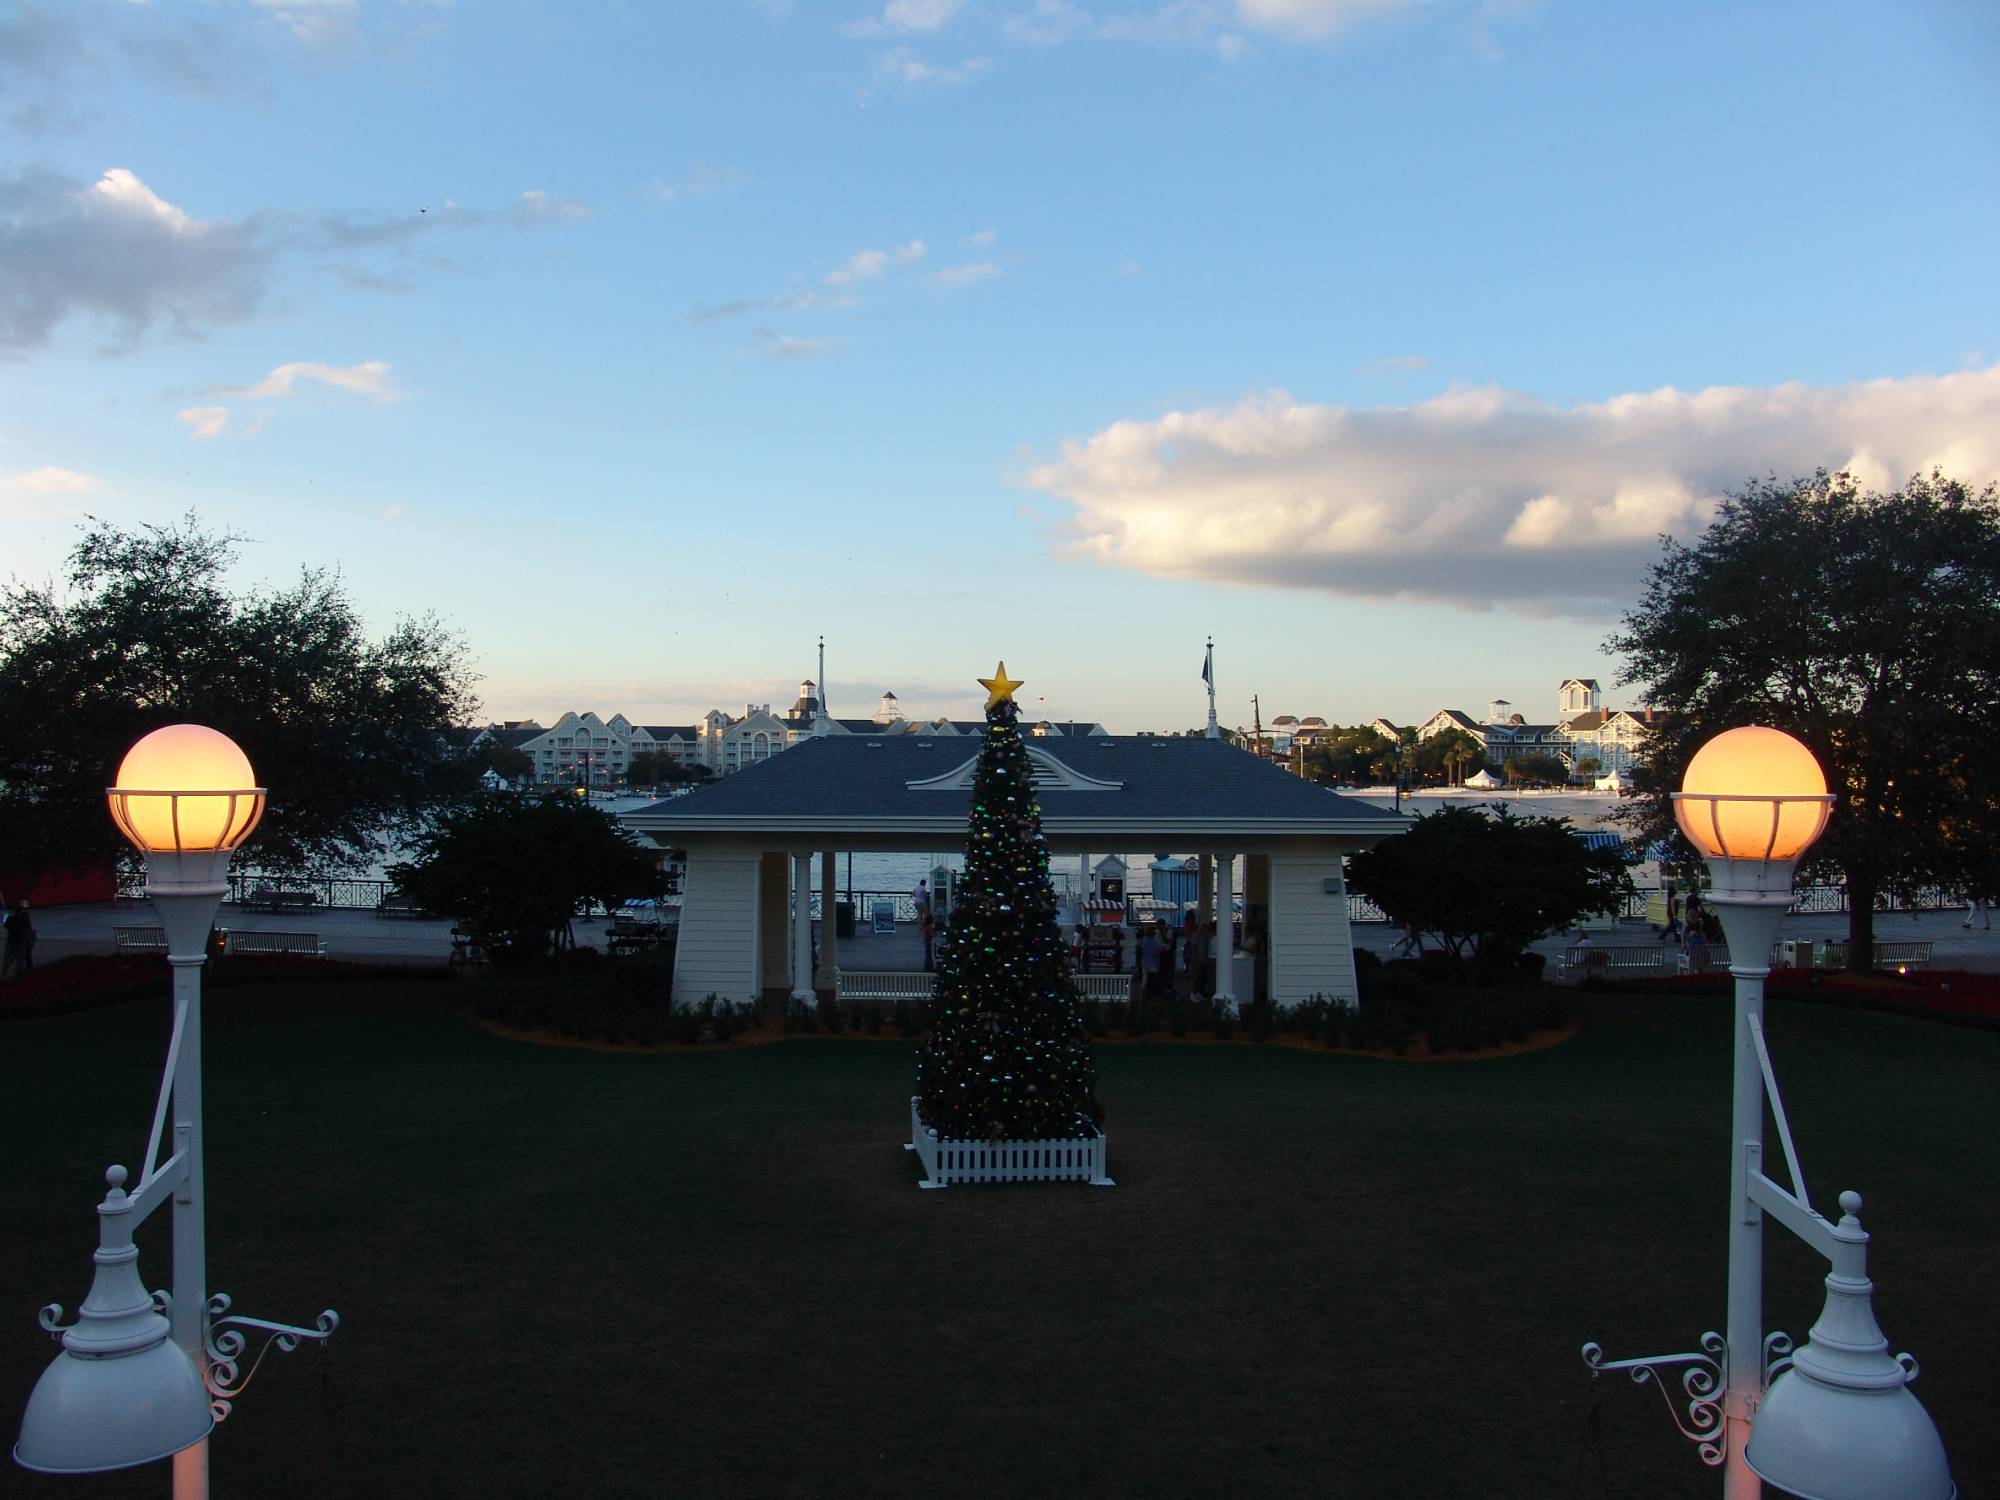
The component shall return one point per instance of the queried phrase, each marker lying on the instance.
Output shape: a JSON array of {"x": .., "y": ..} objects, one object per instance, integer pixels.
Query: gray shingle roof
[{"x": 865, "y": 779}]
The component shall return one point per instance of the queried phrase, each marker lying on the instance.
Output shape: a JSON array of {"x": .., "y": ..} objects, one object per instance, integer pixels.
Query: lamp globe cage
[
  {"x": 1752, "y": 801},
  {"x": 186, "y": 789}
]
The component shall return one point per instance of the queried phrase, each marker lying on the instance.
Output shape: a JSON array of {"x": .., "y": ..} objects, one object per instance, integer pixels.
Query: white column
[
  {"x": 190, "y": 1278},
  {"x": 1225, "y": 943},
  {"x": 802, "y": 933}
]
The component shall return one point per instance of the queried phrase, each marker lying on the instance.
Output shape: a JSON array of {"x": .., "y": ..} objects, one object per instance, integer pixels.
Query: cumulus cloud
[
  {"x": 316, "y": 21},
  {"x": 1314, "y": 20},
  {"x": 901, "y": 65},
  {"x": 982, "y": 238},
  {"x": 369, "y": 378},
  {"x": 1048, "y": 24},
  {"x": 204, "y": 422},
  {"x": 1485, "y": 497},
  {"x": 906, "y": 16},
  {"x": 536, "y": 206},
  {"x": 49, "y": 480},
  {"x": 966, "y": 275},
  {"x": 866, "y": 265},
  {"x": 115, "y": 250}
]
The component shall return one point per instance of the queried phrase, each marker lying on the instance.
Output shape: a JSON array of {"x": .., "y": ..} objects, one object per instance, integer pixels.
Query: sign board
[{"x": 882, "y": 919}]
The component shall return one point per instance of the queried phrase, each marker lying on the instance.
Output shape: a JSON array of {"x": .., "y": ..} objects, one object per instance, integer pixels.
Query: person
[
  {"x": 20, "y": 929},
  {"x": 1693, "y": 915},
  {"x": 1673, "y": 927},
  {"x": 1149, "y": 961},
  {"x": 922, "y": 897},
  {"x": 929, "y": 921},
  {"x": 1975, "y": 906},
  {"x": 1197, "y": 955},
  {"x": 1409, "y": 942},
  {"x": 1076, "y": 942}
]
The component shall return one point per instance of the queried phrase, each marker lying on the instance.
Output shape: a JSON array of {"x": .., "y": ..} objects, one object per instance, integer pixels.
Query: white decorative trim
[
  {"x": 1046, "y": 773},
  {"x": 1075, "y": 1159}
]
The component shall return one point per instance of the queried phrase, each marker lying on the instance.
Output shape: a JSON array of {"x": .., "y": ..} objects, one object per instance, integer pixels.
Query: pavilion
[{"x": 750, "y": 840}]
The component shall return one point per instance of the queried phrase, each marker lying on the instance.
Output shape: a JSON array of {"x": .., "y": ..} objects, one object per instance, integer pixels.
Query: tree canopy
[
  {"x": 1868, "y": 626},
  {"x": 1488, "y": 885},
  {"x": 354, "y": 736},
  {"x": 522, "y": 866},
  {"x": 1356, "y": 755}
]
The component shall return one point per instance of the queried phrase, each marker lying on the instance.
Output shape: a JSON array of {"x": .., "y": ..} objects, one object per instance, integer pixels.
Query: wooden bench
[
  {"x": 468, "y": 949},
  {"x": 1702, "y": 958},
  {"x": 243, "y": 940},
  {"x": 1609, "y": 960},
  {"x": 140, "y": 939},
  {"x": 882, "y": 984},
  {"x": 277, "y": 901},
  {"x": 396, "y": 904}
]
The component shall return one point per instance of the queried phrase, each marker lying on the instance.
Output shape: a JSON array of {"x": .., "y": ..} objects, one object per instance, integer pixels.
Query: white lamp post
[
  {"x": 1834, "y": 1420},
  {"x": 132, "y": 1386}
]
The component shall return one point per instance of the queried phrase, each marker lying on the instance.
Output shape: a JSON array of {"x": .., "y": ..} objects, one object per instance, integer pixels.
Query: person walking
[
  {"x": 1975, "y": 906},
  {"x": 20, "y": 930},
  {"x": 1149, "y": 963},
  {"x": 1673, "y": 927}
]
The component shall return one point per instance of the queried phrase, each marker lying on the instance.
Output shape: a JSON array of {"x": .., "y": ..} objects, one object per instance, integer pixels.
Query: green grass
[{"x": 712, "y": 1274}]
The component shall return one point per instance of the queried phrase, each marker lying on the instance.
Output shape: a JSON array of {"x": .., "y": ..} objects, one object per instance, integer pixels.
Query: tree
[
  {"x": 1866, "y": 625},
  {"x": 1358, "y": 754},
  {"x": 507, "y": 761},
  {"x": 355, "y": 737},
  {"x": 1589, "y": 767},
  {"x": 1488, "y": 885},
  {"x": 523, "y": 866},
  {"x": 1006, "y": 1057},
  {"x": 1535, "y": 765},
  {"x": 1450, "y": 755}
]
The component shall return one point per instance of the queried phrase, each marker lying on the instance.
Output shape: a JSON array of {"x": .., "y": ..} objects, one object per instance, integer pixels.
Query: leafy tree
[
  {"x": 1488, "y": 885},
  {"x": 1535, "y": 765},
  {"x": 1358, "y": 754},
  {"x": 509, "y": 761},
  {"x": 1449, "y": 755},
  {"x": 1006, "y": 1056},
  {"x": 523, "y": 866},
  {"x": 1866, "y": 625},
  {"x": 1589, "y": 767},
  {"x": 352, "y": 735}
]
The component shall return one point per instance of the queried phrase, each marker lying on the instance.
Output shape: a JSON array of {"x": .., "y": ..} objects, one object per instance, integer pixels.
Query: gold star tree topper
[{"x": 999, "y": 687}]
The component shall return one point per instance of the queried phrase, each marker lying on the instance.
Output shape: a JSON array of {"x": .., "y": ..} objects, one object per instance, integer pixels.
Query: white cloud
[
  {"x": 118, "y": 251},
  {"x": 49, "y": 480},
  {"x": 312, "y": 20},
  {"x": 204, "y": 422},
  {"x": 901, "y": 16},
  {"x": 983, "y": 238},
  {"x": 901, "y": 65},
  {"x": 702, "y": 179},
  {"x": 1402, "y": 362},
  {"x": 369, "y": 378},
  {"x": 1483, "y": 497},
  {"x": 866, "y": 265},
  {"x": 966, "y": 275},
  {"x": 1049, "y": 24},
  {"x": 536, "y": 206},
  {"x": 1314, "y": 20},
  {"x": 783, "y": 346}
]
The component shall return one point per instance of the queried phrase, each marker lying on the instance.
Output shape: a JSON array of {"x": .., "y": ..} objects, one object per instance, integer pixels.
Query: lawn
[{"x": 563, "y": 1272}]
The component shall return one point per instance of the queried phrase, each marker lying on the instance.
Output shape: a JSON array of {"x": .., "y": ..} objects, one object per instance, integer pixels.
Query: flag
[{"x": 1208, "y": 667}]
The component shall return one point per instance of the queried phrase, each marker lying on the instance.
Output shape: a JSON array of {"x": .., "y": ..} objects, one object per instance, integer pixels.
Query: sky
[{"x": 645, "y": 344}]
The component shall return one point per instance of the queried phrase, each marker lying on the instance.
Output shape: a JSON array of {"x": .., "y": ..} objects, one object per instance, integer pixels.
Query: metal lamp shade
[
  {"x": 186, "y": 789},
  {"x": 1824, "y": 1442},
  {"x": 111, "y": 1412}
]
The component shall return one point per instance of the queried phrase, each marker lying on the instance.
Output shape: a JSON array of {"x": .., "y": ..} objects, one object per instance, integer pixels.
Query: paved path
[{"x": 64, "y": 930}]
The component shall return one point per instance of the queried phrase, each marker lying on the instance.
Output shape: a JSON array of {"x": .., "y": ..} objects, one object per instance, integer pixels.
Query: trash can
[{"x": 843, "y": 919}]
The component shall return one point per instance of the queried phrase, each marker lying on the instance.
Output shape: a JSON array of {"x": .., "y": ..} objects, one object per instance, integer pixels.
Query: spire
[
  {"x": 820, "y": 724},
  {"x": 1208, "y": 676}
]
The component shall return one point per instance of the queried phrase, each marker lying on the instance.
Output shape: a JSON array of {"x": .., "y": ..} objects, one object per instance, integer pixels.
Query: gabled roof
[
  {"x": 503, "y": 735},
  {"x": 1186, "y": 786},
  {"x": 669, "y": 731}
]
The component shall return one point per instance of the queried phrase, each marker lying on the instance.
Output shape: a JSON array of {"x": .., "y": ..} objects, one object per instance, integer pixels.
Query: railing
[{"x": 349, "y": 892}]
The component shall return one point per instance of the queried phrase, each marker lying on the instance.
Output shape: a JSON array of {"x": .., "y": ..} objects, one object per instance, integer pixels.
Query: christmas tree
[{"x": 1006, "y": 1057}]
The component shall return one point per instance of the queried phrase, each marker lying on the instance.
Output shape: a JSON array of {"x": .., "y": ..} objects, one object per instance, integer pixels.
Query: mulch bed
[{"x": 1954, "y": 996}]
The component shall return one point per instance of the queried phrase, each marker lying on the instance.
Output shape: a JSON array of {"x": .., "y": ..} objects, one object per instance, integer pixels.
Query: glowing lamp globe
[
  {"x": 186, "y": 789},
  {"x": 1753, "y": 794}
]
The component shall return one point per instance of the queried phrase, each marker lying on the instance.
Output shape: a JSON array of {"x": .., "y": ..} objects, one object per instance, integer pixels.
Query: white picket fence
[
  {"x": 902, "y": 984},
  {"x": 945, "y": 1162}
]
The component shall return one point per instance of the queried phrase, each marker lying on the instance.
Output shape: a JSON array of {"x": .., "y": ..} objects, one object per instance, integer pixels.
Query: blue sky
[{"x": 645, "y": 343}]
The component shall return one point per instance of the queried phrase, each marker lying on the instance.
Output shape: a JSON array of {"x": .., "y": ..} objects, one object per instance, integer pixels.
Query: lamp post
[
  {"x": 1834, "y": 1420},
  {"x": 131, "y": 1385}
]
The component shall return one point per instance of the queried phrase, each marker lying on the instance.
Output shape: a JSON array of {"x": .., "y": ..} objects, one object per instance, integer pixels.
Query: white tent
[
  {"x": 1612, "y": 783},
  {"x": 1484, "y": 779}
]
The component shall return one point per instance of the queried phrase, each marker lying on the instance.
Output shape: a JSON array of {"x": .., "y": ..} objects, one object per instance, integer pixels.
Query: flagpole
[{"x": 1208, "y": 676}]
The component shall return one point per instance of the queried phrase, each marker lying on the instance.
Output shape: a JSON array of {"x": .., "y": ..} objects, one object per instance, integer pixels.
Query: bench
[
  {"x": 140, "y": 939},
  {"x": 396, "y": 904},
  {"x": 242, "y": 940},
  {"x": 882, "y": 984},
  {"x": 468, "y": 949},
  {"x": 277, "y": 901},
  {"x": 1609, "y": 960},
  {"x": 1914, "y": 955},
  {"x": 1702, "y": 958}
]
